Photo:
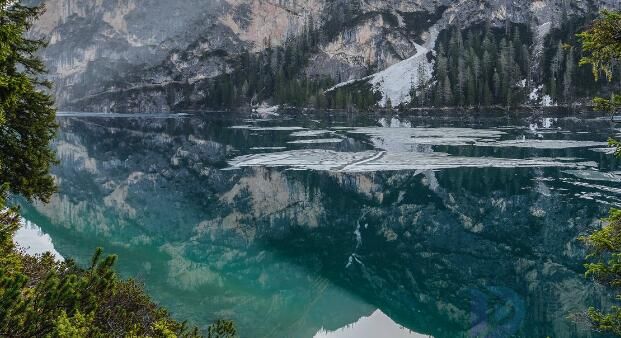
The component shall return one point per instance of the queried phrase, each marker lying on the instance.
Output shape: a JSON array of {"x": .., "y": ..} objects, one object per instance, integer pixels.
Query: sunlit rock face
[
  {"x": 139, "y": 55},
  {"x": 448, "y": 251}
]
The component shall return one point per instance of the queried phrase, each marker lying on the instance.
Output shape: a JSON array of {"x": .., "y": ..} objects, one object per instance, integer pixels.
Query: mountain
[{"x": 146, "y": 55}]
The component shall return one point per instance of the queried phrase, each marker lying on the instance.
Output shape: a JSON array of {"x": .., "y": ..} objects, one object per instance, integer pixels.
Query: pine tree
[
  {"x": 447, "y": 92},
  {"x": 487, "y": 43},
  {"x": 461, "y": 81},
  {"x": 555, "y": 68},
  {"x": 568, "y": 85},
  {"x": 525, "y": 64},
  {"x": 421, "y": 85},
  {"x": 442, "y": 63},
  {"x": 471, "y": 88},
  {"x": 437, "y": 94},
  {"x": 504, "y": 71},
  {"x": 602, "y": 43},
  {"x": 27, "y": 114},
  {"x": 497, "y": 85},
  {"x": 487, "y": 95},
  {"x": 487, "y": 65}
]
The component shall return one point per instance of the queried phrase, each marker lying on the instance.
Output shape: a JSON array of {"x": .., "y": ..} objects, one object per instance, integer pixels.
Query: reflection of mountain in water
[
  {"x": 33, "y": 241},
  {"x": 375, "y": 325},
  {"x": 289, "y": 252}
]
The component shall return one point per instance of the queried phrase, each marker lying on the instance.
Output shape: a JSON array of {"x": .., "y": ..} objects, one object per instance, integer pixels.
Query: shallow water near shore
[{"x": 339, "y": 225}]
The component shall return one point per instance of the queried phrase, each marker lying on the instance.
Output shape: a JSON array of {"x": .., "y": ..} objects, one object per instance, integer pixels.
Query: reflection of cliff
[
  {"x": 150, "y": 192},
  {"x": 310, "y": 249}
]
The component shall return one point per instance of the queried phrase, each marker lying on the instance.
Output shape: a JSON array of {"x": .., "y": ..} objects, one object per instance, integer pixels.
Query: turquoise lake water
[{"x": 338, "y": 225}]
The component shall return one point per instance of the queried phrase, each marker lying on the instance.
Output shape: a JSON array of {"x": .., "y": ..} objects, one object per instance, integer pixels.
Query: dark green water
[{"x": 449, "y": 227}]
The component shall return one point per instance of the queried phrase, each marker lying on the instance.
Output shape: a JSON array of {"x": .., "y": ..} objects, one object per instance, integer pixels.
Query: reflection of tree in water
[{"x": 212, "y": 243}]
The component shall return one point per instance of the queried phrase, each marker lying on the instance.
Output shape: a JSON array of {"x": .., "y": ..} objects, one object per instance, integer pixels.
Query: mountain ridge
[{"x": 146, "y": 56}]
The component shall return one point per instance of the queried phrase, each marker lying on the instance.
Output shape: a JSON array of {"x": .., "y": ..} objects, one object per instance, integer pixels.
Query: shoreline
[{"x": 471, "y": 112}]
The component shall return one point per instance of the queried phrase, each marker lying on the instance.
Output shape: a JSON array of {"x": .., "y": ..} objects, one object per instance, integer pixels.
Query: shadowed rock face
[
  {"x": 448, "y": 252},
  {"x": 144, "y": 55}
]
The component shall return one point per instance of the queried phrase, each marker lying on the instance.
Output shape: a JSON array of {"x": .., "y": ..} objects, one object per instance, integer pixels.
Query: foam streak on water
[
  {"x": 369, "y": 161},
  {"x": 398, "y": 146}
]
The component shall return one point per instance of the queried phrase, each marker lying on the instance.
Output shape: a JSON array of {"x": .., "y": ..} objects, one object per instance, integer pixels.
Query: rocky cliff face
[{"x": 144, "y": 55}]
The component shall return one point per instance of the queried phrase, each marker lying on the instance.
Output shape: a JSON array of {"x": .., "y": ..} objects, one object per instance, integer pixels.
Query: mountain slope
[{"x": 146, "y": 55}]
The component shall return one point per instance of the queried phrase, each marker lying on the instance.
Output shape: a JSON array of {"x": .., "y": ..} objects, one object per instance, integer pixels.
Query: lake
[{"x": 339, "y": 225}]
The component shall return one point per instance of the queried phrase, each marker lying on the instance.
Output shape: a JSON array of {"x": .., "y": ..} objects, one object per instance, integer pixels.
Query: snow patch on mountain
[
  {"x": 547, "y": 101},
  {"x": 537, "y": 96},
  {"x": 346, "y": 83},
  {"x": 540, "y": 34},
  {"x": 396, "y": 82}
]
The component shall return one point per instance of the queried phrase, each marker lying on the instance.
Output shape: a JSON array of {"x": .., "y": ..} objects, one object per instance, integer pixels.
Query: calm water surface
[{"x": 340, "y": 225}]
